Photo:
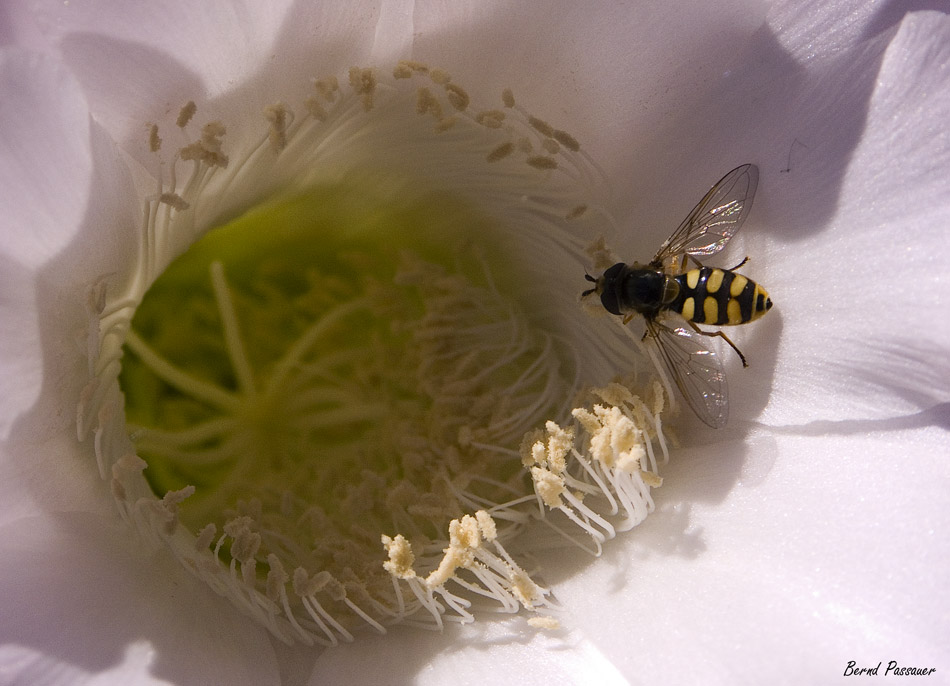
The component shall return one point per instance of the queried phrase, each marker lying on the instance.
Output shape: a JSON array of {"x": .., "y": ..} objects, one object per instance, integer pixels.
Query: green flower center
[{"x": 334, "y": 359}]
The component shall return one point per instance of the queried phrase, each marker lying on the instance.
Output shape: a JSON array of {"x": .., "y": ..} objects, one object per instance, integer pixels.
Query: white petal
[
  {"x": 860, "y": 293},
  {"x": 140, "y": 63},
  {"x": 797, "y": 549},
  {"x": 44, "y": 157},
  {"x": 502, "y": 653},
  {"x": 80, "y": 607},
  {"x": 610, "y": 74},
  {"x": 834, "y": 555},
  {"x": 71, "y": 216}
]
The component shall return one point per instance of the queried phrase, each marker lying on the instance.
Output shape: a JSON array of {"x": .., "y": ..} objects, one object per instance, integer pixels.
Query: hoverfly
[{"x": 703, "y": 295}]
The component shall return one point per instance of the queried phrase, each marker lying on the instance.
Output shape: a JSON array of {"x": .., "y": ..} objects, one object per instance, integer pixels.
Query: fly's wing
[
  {"x": 716, "y": 218},
  {"x": 696, "y": 370}
]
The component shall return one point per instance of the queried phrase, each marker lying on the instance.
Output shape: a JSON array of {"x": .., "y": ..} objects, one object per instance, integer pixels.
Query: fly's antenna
[{"x": 589, "y": 290}]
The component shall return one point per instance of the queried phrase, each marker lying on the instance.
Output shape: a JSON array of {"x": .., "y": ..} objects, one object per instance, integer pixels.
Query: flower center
[{"x": 336, "y": 382}]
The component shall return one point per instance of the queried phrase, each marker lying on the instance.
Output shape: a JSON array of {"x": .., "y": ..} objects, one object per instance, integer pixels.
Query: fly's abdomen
[{"x": 719, "y": 297}]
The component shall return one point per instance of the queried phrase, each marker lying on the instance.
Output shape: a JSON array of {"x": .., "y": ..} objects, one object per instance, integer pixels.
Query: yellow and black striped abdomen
[{"x": 719, "y": 297}]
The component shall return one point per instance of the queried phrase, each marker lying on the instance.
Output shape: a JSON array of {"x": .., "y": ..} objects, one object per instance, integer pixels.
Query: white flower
[{"x": 805, "y": 535}]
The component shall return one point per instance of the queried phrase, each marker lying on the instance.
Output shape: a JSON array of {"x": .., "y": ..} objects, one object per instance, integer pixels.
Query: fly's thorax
[
  {"x": 719, "y": 297},
  {"x": 641, "y": 289}
]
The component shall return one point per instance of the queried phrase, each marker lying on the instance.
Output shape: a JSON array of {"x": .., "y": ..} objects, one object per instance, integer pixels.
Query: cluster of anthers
[{"x": 314, "y": 410}]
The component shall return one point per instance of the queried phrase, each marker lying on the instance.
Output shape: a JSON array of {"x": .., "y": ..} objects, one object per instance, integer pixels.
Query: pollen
[
  {"x": 542, "y": 162},
  {"x": 541, "y": 126},
  {"x": 328, "y": 88},
  {"x": 544, "y": 622},
  {"x": 363, "y": 83},
  {"x": 427, "y": 103},
  {"x": 185, "y": 114},
  {"x": 440, "y": 76},
  {"x": 279, "y": 118},
  {"x": 401, "y": 557},
  {"x": 567, "y": 140},
  {"x": 500, "y": 152},
  {"x": 457, "y": 96},
  {"x": 154, "y": 140},
  {"x": 577, "y": 212},
  {"x": 209, "y": 148},
  {"x": 493, "y": 119}
]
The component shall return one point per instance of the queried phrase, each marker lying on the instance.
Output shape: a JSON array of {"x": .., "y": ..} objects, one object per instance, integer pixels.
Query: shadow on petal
[
  {"x": 76, "y": 591},
  {"x": 891, "y": 13}
]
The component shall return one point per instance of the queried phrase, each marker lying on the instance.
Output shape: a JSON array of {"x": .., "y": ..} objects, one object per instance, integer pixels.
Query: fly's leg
[
  {"x": 744, "y": 260},
  {"x": 724, "y": 337},
  {"x": 687, "y": 257}
]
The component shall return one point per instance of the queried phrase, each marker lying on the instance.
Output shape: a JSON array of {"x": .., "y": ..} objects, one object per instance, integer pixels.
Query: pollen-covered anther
[
  {"x": 427, "y": 103},
  {"x": 279, "y": 118},
  {"x": 524, "y": 588},
  {"x": 464, "y": 532},
  {"x": 401, "y": 557},
  {"x": 174, "y": 201},
  {"x": 542, "y": 162},
  {"x": 208, "y": 148},
  {"x": 486, "y": 525},
  {"x": 406, "y": 68},
  {"x": 363, "y": 81},
  {"x": 651, "y": 479},
  {"x": 439, "y": 76},
  {"x": 567, "y": 140},
  {"x": 205, "y": 537},
  {"x": 328, "y": 88},
  {"x": 508, "y": 98},
  {"x": 170, "y": 505},
  {"x": 445, "y": 123},
  {"x": 500, "y": 152},
  {"x": 124, "y": 470},
  {"x": 541, "y": 126},
  {"x": 457, "y": 96},
  {"x": 464, "y": 537},
  {"x": 544, "y": 622},
  {"x": 154, "y": 140},
  {"x": 549, "y": 486},
  {"x": 276, "y": 578},
  {"x": 492, "y": 119},
  {"x": 560, "y": 443},
  {"x": 185, "y": 114},
  {"x": 532, "y": 449},
  {"x": 453, "y": 558},
  {"x": 127, "y": 466},
  {"x": 576, "y": 212},
  {"x": 615, "y": 394},
  {"x": 245, "y": 541}
]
